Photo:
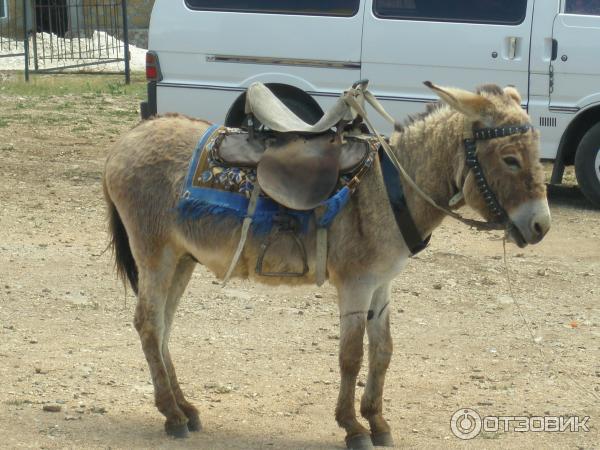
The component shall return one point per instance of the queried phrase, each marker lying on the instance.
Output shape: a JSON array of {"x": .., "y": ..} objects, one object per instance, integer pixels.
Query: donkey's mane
[
  {"x": 430, "y": 108},
  {"x": 492, "y": 89}
]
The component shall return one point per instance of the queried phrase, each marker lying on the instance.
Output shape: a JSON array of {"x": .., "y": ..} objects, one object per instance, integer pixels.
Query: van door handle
[
  {"x": 512, "y": 47},
  {"x": 554, "y": 50}
]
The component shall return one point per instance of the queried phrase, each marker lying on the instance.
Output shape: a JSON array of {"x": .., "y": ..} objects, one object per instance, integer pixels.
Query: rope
[{"x": 537, "y": 342}]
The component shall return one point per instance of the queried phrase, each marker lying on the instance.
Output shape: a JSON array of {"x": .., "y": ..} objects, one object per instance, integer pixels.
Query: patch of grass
[
  {"x": 123, "y": 113},
  {"x": 90, "y": 86},
  {"x": 65, "y": 106},
  {"x": 3, "y": 123}
]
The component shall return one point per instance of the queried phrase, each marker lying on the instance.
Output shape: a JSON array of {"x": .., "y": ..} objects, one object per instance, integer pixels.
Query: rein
[{"x": 472, "y": 162}]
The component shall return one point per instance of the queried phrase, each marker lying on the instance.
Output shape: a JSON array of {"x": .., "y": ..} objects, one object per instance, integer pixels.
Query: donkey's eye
[{"x": 512, "y": 162}]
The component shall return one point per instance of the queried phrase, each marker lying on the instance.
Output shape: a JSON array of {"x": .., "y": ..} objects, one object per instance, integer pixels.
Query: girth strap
[{"x": 404, "y": 220}]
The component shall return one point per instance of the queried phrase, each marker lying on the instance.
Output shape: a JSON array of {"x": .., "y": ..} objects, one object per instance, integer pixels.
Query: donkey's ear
[
  {"x": 512, "y": 92},
  {"x": 472, "y": 105}
]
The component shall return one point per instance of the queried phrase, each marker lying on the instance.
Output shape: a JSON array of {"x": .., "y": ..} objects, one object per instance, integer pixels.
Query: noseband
[{"x": 484, "y": 134}]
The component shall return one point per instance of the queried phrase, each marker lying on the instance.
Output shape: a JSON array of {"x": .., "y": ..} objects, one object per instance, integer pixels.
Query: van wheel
[{"x": 587, "y": 165}]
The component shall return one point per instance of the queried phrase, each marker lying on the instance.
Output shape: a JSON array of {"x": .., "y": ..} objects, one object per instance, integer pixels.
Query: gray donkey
[{"x": 157, "y": 251}]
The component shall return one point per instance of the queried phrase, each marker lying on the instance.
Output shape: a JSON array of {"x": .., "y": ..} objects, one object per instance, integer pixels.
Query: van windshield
[{"x": 344, "y": 8}]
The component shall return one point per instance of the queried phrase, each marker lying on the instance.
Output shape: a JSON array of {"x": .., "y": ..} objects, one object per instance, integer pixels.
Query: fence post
[
  {"x": 26, "y": 39},
  {"x": 126, "y": 41}
]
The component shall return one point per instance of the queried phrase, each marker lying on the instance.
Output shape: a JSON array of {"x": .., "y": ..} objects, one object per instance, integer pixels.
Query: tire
[
  {"x": 145, "y": 110},
  {"x": 587, "y": 165}
]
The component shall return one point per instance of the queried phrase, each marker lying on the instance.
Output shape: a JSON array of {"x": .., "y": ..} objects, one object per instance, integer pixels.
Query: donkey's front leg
[
  {"x": 380, "y": 354},
  {"x": 354, "y": 303}
]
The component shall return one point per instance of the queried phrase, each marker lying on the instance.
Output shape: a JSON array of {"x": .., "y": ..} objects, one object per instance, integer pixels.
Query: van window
[
  {"x": 586, "y": 7},
  {"x": 344, "y": 8},
  {"x": 3, "y": 9},
  {"x": 477, "y": 11}
]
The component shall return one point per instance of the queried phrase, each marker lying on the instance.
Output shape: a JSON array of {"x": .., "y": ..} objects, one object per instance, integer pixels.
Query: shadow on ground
[{"x": 568, "y": 197}]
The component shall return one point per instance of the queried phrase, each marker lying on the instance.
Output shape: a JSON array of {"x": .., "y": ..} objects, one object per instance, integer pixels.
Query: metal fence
[
  {"x": 66, "y": 35},
  {"x": 76, "y": 34},
  {"x": 13, "y": 38}
]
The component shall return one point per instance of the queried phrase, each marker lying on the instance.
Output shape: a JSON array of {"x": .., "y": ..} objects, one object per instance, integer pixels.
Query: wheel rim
[{"x": 597, "y": 164}]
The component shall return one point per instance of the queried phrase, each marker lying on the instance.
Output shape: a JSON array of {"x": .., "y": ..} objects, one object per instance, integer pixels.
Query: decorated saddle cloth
[{"x": 215, "y": 187}]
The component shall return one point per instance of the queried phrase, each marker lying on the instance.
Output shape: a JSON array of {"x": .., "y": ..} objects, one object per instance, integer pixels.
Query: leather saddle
[
  {"x": 297, "y": 171},
  {"x": 298, "y": 164}
]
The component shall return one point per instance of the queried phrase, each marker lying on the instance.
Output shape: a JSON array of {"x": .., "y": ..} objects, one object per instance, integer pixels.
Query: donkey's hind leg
[
  {"x": 154, "y": 282},
  {"x": 181, "y": 278},
  {"x": 380, "y": 354},
  {"x": 354, "y": 303}
]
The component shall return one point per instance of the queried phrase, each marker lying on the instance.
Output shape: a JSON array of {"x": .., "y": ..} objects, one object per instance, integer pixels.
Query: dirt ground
[{"x": 261, "y": 363}]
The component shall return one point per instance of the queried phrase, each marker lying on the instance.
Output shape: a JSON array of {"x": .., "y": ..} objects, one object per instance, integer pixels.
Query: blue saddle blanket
[{"x": 212, "y": 188}]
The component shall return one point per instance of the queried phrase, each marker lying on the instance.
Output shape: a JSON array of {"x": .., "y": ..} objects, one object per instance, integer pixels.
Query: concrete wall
[
  {"x": 138, "y": 12},
  {"x": 12, "y": 25}
]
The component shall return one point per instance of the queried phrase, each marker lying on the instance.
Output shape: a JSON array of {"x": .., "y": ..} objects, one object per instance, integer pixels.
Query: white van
[{"x": 203, "y": 54}]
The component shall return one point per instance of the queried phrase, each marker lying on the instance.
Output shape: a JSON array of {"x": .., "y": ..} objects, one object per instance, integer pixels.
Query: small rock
[
  {"x": 360, "y": 383},
  {"x": 437, "y": 286},
  {"x": 33, "y": 341},
  {"x": 318, "y": 296},
  {"x": 98, "y": 409},
  {"x": 542, "y": 272},
  {"x": 52, "y": 408},
  {"x": 504, "y": 299},
  {"x": 67, "y": 417}
]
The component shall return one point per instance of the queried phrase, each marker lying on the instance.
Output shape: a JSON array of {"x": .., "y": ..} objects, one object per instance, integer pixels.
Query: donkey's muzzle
[{"x": 530, "y": 222}]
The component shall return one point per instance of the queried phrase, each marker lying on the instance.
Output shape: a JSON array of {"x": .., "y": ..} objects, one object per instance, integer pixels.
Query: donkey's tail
[{"x": 119, "y": 242}]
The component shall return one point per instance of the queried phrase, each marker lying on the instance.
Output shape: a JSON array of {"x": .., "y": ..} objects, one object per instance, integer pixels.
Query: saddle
[
  {"x": 298, "y": 171},
  {"x": 298, "y": 164}
]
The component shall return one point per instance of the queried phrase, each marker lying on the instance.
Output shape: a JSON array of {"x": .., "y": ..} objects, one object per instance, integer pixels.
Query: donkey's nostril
[{"x": 539, "y": 228}]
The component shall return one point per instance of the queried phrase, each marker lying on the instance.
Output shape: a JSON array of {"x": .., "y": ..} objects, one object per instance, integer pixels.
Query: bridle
[{"x": 472, "y": 162}]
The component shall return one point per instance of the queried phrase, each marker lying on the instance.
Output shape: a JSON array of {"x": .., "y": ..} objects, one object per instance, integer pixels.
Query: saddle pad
[{"x": 214, "y": 188}]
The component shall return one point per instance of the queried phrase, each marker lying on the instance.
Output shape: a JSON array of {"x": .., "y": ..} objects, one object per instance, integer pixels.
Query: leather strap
[
  {"x": 404, "y": 220},
  {"x": 244, "y": 233}
]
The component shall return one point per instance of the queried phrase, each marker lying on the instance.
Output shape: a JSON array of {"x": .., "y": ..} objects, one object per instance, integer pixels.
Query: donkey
[{"x": 157, "y": 252}]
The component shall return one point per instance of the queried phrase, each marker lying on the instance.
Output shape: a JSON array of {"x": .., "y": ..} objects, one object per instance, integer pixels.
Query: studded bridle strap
[
  {"x": 473, "y": 163},
  {"x": 482, "y": 134}
]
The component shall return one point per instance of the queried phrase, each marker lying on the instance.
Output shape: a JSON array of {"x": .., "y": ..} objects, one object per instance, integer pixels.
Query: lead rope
[
  {"x": 349, "y": 97},
  {"x": 537, "y": 341}
]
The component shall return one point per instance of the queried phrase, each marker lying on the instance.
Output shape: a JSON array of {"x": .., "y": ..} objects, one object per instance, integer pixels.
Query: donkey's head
[{"x": 499, "y": 172}]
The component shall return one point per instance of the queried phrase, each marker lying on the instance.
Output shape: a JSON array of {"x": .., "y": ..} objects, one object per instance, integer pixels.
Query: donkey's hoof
[
  {"x": 194, "y": 424},
  {"x": 179, "y": 430},
  {"x": 359, "y": 442},
  {"x": 384, "y": 439}
]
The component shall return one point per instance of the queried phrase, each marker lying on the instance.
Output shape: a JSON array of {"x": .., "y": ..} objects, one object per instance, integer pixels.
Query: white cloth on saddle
[{"x": 272, "y": 113}]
